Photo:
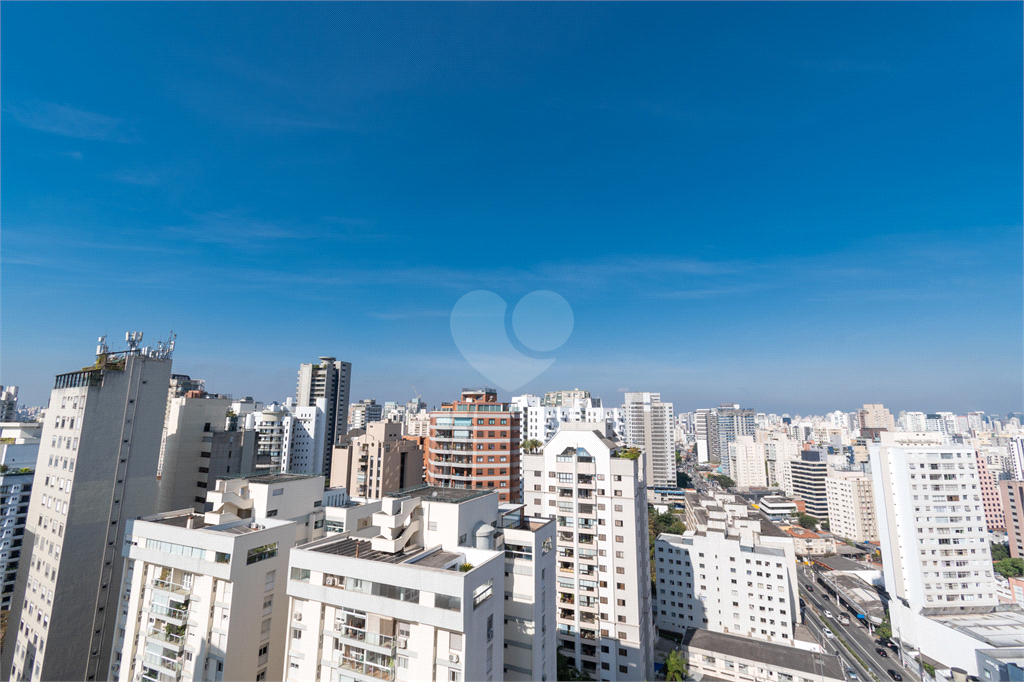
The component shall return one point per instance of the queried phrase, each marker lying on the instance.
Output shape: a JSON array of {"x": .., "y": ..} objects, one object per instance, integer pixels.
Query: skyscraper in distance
[
  {"x": 330, "y": 379},
  {"x": 648, "y": 426}
]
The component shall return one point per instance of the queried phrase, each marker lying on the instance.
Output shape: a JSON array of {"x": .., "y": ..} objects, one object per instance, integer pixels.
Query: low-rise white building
[
  {"x": 732, "y": 571},
  {"x": 443, "y": 585}
]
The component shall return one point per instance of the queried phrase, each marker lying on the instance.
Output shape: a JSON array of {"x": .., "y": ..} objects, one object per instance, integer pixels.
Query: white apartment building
[
  {"x": 417, "y": 423},
  {"x": 599, "y": 501},
  {"x": 733, "y": 571},
  {"x": 97, "y": 469},
  {"x": 329, "y": 380},
  {"x": 413, "y": 597},
  {"x": 8, "y": 403},
  {"x": 648, "y": 426},
  {"x": 747, "y": 463},
  {"x": 542, "y": 418},
  {"x": 291, "y": 438},
  {"x": 779, "y": 451},
  {"x": 362, "y": 413},
  {"x": 188, "y": 423},
  {"x": 851, "y": 505},
  {"x": 934, "y": 542},
  {"x": 204, "y": 595}
]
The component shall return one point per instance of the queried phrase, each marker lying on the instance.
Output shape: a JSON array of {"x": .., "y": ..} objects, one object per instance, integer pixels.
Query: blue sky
[{"x": 797, "y": 207}]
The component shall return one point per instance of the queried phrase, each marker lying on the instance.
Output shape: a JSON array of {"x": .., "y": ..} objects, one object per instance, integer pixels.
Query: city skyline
[{"x": 794, "y": 208}]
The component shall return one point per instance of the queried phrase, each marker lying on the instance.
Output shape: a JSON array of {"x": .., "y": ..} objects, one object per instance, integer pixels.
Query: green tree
[
  {"x": 1000, "y": 552},
  {"x": 808, "y": 522},
  {"x": 1010, "y": 568},
  {"x": 885, "y": 629},
  {"x": 530, "y": 444},
  {"x": 658, "y": 524},
  {"x": 629, "y": 453},
  {"x": 724, "y": 481},
  {"x": 675, "y": 667}
]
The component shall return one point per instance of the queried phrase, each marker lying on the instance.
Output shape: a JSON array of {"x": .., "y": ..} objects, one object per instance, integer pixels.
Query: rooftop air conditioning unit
[
  {"x": 403, "y": 643},
  {"x": 454, "y": 658}
]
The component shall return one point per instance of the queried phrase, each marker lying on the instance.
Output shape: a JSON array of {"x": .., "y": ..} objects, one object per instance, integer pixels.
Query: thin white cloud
[{"x": 67, "y": 121}]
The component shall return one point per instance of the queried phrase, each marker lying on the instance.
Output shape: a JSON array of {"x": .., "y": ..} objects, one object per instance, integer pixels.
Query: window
[
  {"x": 268, "y": 584},
  {"x": 296, "y": 633}
]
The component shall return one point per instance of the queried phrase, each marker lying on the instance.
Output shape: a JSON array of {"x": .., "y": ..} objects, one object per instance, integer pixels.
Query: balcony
[
  {"x": 354, "y": 634},
  {"x": 567, "y": 614},
  {"x": 175, "y": 640},
  {"x": 566, "y": 567},
  {"x": 588, "y": 650},
  {"x": 367, "y": 669},
  {"x": 588, "y": 618},
  {"x": 588, "y": 634},
  {"x": 167, "y": 664},
  {"x": 566, "y": 552},
  {"x": 586, "y": 539},
  {"x": 168, "y": 586},
  {"x": 566, "y": 598},
  {"x": 179, "y": 614}
]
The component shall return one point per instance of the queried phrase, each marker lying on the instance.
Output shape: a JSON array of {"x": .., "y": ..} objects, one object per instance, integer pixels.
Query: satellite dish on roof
[{"x": 433, "y": 494}]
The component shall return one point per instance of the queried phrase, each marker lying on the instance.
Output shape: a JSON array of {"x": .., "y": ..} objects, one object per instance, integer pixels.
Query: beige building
[
  {"x": 188, "y": 432},
  {"x": 876, "y": 417},
  {"x": 747, "y": 463},
  {"x": 1012, "y": 495},
  {"x": 376, "y": 461},
  {"x": 851, "y": 505}
]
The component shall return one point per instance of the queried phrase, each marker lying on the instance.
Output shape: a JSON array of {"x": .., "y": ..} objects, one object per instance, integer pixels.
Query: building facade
[
  {"x": 599, "y": 501},
  {"x": 851, "y": 506},
  {"x": 376, "y": 462},
  {"x": 1011, "y": 494},
  {"x": 97, "y": 469},
  {"x": 329, "y": 380},
  {"x": 808, "y": 476},
  {"x": 648, "y": 426},
  {"x": 474, "y": 444}
]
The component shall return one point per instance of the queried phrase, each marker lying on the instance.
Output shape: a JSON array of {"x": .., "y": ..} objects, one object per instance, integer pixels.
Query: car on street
[
  {"x": 810, "y": 588},
  {"x": 851, "y": 674},
  {"x": 828, "y": 633},
  {"x": 882, "y": 652},
  {"x": 828, "y": 614},
  {"x": 895, "y": 675}
]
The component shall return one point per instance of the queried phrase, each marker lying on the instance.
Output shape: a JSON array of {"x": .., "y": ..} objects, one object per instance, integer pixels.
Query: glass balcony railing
[
  {"x": 168, "y": 586},
  {"x": 165, "y": 663},
  {"x": 169, "y": 612},
  {"x": 165, "y": 636},
  {"x": 361, "y": 635},
  {"x": 365, "y": 667}
]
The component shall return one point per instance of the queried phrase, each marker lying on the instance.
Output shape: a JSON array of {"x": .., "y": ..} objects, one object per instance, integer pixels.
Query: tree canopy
[
  {"x": 1010, "y": 568},
  {"x": 1000, "y": 552},
  {"x": 807, "y": 521}
]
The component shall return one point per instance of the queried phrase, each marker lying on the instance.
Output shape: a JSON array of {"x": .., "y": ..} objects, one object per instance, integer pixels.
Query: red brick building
[{"x": 474, "y": 444}]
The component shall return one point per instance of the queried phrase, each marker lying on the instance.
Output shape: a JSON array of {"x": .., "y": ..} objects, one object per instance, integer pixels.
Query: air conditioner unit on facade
[
  {"x": 454, "y": 658},
  {"x": 403, "y": 643}
]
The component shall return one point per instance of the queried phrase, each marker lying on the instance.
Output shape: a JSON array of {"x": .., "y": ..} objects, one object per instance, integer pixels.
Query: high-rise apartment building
[
  {"x": 851, "y": 506},
  {"x": 474, "y": 444},
  {"x": 808, "y": 476},
  {"x": 747, "y": 463},
  {"x": 540, "y": 421},
  {"x": 376, "y": 462},
  {"x": 1011, "y": 493},
  {"x": 875, "y": 417},
  {"x": 364, "y": 412},
  {"x": 726, "y": 423},
  {"x": 445, "y": 585},
  {"x": 733, "y": 571},
  {"x": 779, "y": 451},
  {"x": 702, "y": 429},
  {"x": 97, "y": 469},
  {"x": 648, "y": 426},
  {"x": 290, "y": 438},
  {"x": 189, "y": 427},
  {"x": 990, "y": 500},
  {"x": 8, "y": 403},
  {"x": 934, "y": 544},
  {"x": 559, "y": 398},
  {"x": 331, "y": 381},
  {"x": 599, "y": 501}
]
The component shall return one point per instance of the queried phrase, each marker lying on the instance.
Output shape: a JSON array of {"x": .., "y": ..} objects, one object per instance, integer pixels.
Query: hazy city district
[{"x": 155, "y": 532}]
